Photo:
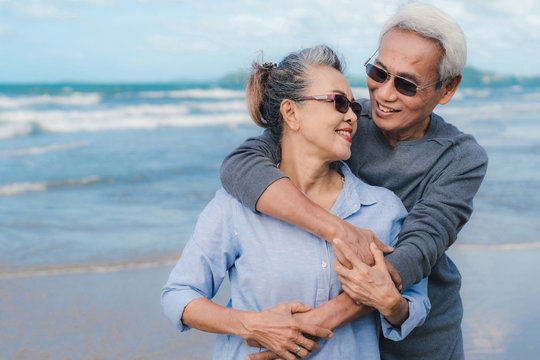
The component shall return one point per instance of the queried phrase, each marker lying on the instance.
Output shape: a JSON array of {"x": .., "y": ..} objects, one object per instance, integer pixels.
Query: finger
[
  {"x": 265, "y": 355},
  {"x": 353, "y": 258},
  {"x": 378, "y": 256},
  {"x": 298, "y": 307},
  {"x": 302, "y": 353},
  {"x": 346, "y": 251},
  {"x": 315, "y": 330},
  {"x": 252, "y": 343},
  {"x": 308, "y": 344},
  {"x": 342, "y": 258},
  {"x": 383, "y": 247},
  {"x": 340, "y": 269}
]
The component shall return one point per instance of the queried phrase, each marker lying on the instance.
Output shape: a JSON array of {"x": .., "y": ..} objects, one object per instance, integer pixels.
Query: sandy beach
[{"x": 107, "y": 313}]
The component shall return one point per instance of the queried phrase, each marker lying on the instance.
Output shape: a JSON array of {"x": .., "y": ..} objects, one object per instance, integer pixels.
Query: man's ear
[
  {"x": 289, "y": 114},
  {"x": 449, "y": 89}
]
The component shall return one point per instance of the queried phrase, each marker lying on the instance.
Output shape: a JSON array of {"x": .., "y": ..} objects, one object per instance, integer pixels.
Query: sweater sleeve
[
  {"x": 251, "y": 168},
  {"x": 436, "y": 218}
]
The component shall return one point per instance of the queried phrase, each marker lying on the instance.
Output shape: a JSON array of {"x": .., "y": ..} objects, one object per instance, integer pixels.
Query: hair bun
[{"x": 268, "y": 66}]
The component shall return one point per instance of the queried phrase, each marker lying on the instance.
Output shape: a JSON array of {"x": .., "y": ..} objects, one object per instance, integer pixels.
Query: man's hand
[
  {"x": 368, "y": 285},
  {"x": 358, "y": 240}
]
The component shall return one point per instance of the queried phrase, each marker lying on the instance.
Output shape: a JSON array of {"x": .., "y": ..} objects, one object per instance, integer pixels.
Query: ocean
[{"x": 95, "y": 173}]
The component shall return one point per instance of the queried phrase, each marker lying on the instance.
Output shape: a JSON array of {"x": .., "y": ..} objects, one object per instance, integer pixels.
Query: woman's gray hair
[
  {"x": 432, "y": 23},
  {"x": 269, "y": 84}
]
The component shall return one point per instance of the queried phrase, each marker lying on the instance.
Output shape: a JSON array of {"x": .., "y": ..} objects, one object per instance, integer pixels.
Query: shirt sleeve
[
  {"x": 251, "y": 168},
  {"x": 435, "y": 220},
  {"x": 419, "y": 306},
  {"x": 416, "y": 295},
  {"x": 205, "y": 259}
]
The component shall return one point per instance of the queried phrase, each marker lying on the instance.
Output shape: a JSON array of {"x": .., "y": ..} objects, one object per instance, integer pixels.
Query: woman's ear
[{"x": 289, "y": 114}]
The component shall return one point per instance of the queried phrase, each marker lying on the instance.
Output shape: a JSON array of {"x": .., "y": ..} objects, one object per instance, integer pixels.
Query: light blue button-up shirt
[{"x": 269, "y": 261}]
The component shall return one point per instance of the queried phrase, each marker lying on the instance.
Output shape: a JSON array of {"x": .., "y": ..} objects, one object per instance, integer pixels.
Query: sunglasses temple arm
[{"x": 368, "y": 60}]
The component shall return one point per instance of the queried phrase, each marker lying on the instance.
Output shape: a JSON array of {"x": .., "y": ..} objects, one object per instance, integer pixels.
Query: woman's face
[{"x": 326, "y": 131}]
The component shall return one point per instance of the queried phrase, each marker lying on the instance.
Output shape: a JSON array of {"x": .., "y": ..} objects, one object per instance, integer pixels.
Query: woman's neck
[{"x": 311, "y": 174}]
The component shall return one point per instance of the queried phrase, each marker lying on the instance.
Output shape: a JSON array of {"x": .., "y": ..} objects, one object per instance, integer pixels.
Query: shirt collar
[{"x": 355, "y": 194}]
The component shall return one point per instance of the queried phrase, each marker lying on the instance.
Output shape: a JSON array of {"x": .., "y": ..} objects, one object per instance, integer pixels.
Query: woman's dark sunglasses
[
  {"x": 341, "y": 103},
  {"x": 402, "y": 85}
]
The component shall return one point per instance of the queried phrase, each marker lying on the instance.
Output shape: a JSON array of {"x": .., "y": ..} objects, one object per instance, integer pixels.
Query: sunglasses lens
[
  {"x": 405, "y": 87},
  {"x": 356, "y": 108},
  {"x": 375, "y": 73},
  {"x": 341, "y": 103}
]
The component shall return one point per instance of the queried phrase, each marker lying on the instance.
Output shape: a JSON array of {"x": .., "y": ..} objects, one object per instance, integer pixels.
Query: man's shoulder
[
  {"x": 443, "y": 129},
  {"x": 461, "y": 142}
]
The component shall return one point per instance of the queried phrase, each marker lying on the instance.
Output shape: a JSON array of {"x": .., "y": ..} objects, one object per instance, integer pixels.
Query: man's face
[{"x": 415, "y": 58}]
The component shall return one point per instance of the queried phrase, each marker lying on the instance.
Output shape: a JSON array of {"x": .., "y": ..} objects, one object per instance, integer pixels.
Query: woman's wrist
[
  {"x": 396, "y": 311},
  {"x": 242, "y": 323}
]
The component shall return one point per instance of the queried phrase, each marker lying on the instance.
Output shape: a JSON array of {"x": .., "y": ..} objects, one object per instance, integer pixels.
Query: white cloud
[{"x": 41, "y": 10}]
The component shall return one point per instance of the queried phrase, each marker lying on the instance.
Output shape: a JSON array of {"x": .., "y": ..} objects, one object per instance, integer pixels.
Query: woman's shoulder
[{"x": 222, "y": 206}]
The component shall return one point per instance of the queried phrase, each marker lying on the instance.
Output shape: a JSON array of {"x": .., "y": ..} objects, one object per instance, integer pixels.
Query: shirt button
[{"x": 324, "y": 264}]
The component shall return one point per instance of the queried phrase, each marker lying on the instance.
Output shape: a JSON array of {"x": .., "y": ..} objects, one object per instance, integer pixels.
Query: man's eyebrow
[{"x": 403, "y": 75}]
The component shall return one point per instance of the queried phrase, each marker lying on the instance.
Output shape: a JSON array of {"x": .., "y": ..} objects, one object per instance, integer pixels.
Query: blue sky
[{"x": 165, "y": 40}]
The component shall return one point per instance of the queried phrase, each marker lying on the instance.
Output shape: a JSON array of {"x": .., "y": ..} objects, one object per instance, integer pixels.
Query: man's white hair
[{"x": 432, "y": 23}]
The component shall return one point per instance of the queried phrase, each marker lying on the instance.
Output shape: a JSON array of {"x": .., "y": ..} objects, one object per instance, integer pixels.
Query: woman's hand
[
  {"x": 277, "y": 330},
  {"x": 371, "y": 285},
  {"x": 359, "y": 242}
]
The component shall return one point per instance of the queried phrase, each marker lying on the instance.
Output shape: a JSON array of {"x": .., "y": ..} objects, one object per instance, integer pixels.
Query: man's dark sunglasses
[
  {"x": 402, "y": 85},
  {"x": 341, "y": 103}
]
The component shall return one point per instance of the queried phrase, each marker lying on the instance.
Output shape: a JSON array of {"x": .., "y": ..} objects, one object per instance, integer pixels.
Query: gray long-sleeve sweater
[{"x": 436, "y": 177}]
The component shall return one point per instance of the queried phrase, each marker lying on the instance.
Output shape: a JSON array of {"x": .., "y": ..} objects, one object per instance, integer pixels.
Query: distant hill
[{"x": 471, "y": 77}]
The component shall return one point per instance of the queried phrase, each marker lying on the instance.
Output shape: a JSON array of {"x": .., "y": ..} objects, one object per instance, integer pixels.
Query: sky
[{"x": 180, "y": 40}]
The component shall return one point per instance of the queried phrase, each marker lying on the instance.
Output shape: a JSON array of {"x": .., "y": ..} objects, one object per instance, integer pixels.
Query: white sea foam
[
  {"x": 215, "y": 93},
  {"x": 38, "y": 150},
  {"x": 488, "y": 111},
  {"x": 76, "y": 98},
  {"x": 10, "y": 130},
  {"x": 238, "y": 105},
  {"x": 20, "y": 188},
  {"x": 22, "y": 122},
  {"x": 463, "y": 93}
]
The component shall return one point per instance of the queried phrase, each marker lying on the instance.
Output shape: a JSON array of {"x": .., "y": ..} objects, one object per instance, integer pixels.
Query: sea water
[{"x": 98, "y": 173}]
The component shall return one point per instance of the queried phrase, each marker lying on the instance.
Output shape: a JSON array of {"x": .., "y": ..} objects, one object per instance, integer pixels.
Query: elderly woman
[{"x": 276, "y": 269}]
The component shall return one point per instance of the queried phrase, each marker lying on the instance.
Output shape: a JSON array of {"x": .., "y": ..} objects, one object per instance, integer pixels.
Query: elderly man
[{"x": 402, "y": 145}]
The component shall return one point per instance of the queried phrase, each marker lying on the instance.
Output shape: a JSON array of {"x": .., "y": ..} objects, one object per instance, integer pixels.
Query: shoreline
[
  {"x": 105, "y": 312},
  {"x": 169, "y": 260},
  {"x": 139, "y": 263}
]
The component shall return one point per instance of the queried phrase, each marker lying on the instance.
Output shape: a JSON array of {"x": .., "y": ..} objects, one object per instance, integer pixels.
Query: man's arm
[
  {"x": 250, "y": 174},
  {"x": 433, "y": 223},
  {"x": 251, "y": 168}
]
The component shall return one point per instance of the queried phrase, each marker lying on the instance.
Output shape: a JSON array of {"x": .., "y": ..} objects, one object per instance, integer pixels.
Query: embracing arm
[
  {"x": 251, "y": 175},
  {"x": 274, "y": 328},
  {"x": 434, "y": 221},
  {"x": 198, "y": 274}
]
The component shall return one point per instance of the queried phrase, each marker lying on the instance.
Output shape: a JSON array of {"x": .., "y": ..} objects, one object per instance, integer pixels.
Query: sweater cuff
[{"x": 401, "y": 262}]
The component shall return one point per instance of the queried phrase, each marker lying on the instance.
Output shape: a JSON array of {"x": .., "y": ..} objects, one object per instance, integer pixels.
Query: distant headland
[{"x": 472, "y": 76}]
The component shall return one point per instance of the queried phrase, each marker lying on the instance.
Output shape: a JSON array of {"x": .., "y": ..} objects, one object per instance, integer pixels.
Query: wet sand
[{"x": 110, "y": 312}]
